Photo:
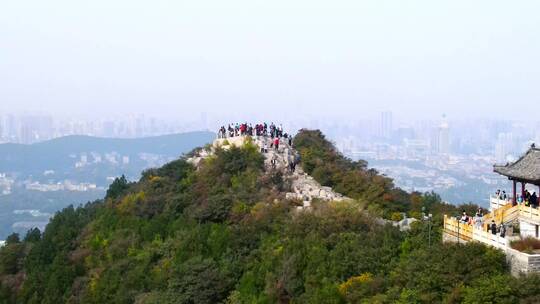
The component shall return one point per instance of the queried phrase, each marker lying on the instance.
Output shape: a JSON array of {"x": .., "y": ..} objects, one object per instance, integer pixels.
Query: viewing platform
[
  {"x": 496, "y": 202},
  {"x": 507, "y": 213}
]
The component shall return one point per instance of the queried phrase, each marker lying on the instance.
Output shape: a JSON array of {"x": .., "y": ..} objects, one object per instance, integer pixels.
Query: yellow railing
[
  {"x": 529, "y": 212},
  {"x": 508, "y": 213},
  {"x": 503, "y": 214},
  {"x": 460, "y": 230},
  {"x": 468, "y": 232},
  {"x": 489, "y": 238}
]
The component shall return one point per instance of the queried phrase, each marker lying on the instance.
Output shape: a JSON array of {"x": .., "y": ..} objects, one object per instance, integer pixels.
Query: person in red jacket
[
  {"x": 276, "y": 143},
  {"x": 243, "y": 128}
]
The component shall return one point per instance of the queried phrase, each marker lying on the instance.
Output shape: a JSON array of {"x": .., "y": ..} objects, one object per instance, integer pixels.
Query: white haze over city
[{"x": 343, "y": 59}]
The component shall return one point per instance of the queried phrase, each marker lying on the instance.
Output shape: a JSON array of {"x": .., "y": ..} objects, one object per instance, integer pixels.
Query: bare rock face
[{"x": 305, "y": 188}]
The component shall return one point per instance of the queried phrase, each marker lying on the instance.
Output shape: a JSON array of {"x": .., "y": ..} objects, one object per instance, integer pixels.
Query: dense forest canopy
[{"x": 224, "y": 233}]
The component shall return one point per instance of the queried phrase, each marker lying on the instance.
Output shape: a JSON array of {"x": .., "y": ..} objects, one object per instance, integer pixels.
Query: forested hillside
[{"x": 224, "y": 233}]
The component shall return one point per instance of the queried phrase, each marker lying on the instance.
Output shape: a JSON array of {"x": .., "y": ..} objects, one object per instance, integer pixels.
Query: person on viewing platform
[
  {"x": 464, "y": 218},
  {"x": 478, "y": 219},
  {"x": 498, "y": 194},
  {"x": 520, "y": 199},
  {"x": 504, "y": 196},
  {"x": 479, "y": 212},
  {"x": 492, "y": 227},
  {"x": 502, "y": 230},
  {"x": 534, "y": 200}
]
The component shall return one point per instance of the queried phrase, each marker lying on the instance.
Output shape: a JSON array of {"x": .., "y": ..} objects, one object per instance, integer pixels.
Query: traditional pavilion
[
  {"x": 526, "y": 170},
  {"x": 506, "y": 214}
]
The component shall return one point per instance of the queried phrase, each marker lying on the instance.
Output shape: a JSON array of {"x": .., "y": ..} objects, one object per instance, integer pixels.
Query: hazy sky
[{"x": 319, "y": 57}]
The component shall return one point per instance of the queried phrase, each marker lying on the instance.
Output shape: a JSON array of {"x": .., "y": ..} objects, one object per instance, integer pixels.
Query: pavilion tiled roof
[{"x": 526, "y": 168}]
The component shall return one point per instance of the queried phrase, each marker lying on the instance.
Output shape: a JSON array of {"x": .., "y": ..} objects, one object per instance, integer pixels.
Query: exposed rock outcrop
[{"x": 303, "y": 186}]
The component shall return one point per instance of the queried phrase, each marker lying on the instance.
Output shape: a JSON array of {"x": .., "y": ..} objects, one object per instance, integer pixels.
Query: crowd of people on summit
[
  {"x": 277, "y": 138},
  {"x": 243, "y": 129}
]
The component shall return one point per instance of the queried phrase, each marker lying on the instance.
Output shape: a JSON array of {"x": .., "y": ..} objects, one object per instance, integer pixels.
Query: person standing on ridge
[
  {"x": 273, "y": 162},
  {"x": 290, "y": 159}
]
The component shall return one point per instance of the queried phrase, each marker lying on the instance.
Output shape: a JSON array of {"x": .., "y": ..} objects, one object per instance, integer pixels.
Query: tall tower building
[
  {"x": 386, "y": 125},
  {"x": 503, "y": 147},
  {"x": 443, "y": 138}
]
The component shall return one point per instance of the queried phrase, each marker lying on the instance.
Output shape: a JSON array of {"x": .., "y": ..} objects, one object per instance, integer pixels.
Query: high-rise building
[
  {"x": 139, "y": 126},
  {"x": 444, "y": 137},
  {"x": 440, "y": 138},
  {"x": 27, "y": 135},
  {"x": 386, "y": 125},
  {"x": 503, "y": 147}
]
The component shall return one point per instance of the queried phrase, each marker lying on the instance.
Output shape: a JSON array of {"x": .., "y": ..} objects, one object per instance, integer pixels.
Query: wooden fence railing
[
  {"x": 504, "y": 214},
  {"x": 460, "y": 230}
]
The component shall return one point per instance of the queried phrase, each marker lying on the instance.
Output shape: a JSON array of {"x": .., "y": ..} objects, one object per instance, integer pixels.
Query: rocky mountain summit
[{"x": 303, "y": 186}]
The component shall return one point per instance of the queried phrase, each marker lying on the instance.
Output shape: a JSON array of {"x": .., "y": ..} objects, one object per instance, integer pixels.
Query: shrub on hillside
[{"x": 527, "y": 245}]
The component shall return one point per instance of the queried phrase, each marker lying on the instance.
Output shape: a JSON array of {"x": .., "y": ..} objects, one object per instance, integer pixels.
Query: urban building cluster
[
  {"x": 454, "y": 157},
  {"x": 32, "y": 128},
  {"x": 6, "y": 184},
  {"x": 66, "y": 185}
]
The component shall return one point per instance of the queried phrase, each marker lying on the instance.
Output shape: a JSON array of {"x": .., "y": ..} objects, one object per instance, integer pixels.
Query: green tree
[
  {"x": 117, "y": 187},
  {"x": 13, "y": 239},
  {"x": 498, "y": 289}
]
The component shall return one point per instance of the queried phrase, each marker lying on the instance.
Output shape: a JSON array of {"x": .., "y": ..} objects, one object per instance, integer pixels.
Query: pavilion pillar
[
  {"x": 522, "y": 189},
  {"x": 514, "y": 196}
]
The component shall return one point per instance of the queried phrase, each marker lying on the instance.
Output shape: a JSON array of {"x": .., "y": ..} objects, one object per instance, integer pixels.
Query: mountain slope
[
  {"x": 223, "y": 232},
  {"x": 31, "y": 192}
]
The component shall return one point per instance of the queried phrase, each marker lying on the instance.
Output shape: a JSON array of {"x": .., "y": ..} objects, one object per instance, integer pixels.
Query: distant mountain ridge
[
  {"x": 53, "y": 153},
  {"x": 59, "y": 161}
]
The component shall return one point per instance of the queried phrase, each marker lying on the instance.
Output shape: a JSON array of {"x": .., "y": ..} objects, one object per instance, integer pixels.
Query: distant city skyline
[
  {"x": 441, "y": 133},
  {"x": 453, "y": 156}
]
